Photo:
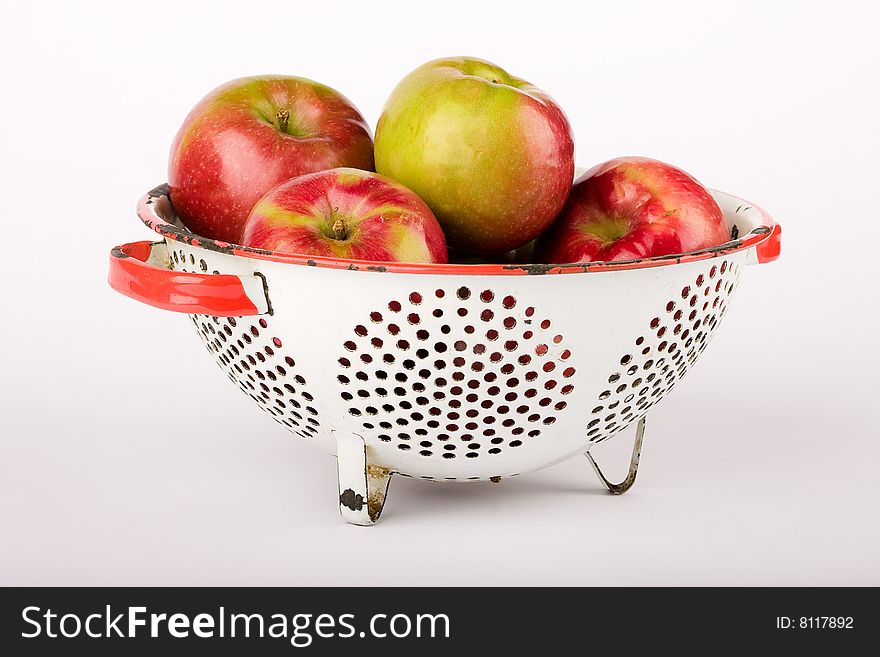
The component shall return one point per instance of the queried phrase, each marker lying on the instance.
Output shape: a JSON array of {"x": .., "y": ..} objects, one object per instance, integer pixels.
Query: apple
[
  {"x": 633, "y": 207},
  {"x": 492, "y": 155},
  {"x": 250, "y": 134},
  {"x": 346, "y": 213}
]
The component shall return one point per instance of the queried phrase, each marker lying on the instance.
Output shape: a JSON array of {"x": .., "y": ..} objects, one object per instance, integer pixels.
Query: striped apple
[
  {"x": 346, "y": 213},
  {"x": 633, "y": 207},
  {"x": 251, "y": 134}
]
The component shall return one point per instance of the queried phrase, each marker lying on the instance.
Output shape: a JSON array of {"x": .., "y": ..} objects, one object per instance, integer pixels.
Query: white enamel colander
[{"x": 444, "y": 372}]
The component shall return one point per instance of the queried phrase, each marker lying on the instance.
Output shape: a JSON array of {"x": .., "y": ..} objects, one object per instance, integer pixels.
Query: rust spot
[
  {"x": 352, "y": 500},
  {"x": 159, "y": 191},
  {"x": 262, "y": 278},
  {"x": 495, "y": 480},
  {"x": 377, "y": 471},
  {"x": 377, "y": 477},
  {"x": 379, "y": 268},
  {"x": 537, "y": 269}
]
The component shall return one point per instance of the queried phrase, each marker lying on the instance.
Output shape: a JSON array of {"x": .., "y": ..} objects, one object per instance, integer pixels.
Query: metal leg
[
  {"x": 626, "y": 484},
  {"x": 362, "y": 486}
]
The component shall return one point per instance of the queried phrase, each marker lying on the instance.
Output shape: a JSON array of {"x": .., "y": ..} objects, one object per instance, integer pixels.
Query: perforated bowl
[{"x": 444, "y": 372}]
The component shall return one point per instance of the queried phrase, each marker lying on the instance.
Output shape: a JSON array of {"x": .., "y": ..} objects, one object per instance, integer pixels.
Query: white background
[{"x": 126, "y": 458}]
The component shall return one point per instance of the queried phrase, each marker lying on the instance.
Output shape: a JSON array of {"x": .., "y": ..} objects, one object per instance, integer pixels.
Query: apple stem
[
  {"x": 339, "y": 229},
  {"x": 283, "y": 116}
]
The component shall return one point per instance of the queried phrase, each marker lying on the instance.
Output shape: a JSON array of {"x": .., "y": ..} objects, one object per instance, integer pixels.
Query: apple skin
[
  {"x": 633, "y": 207},
  {"x": 346, "y": 213},
  {"x": 251, "y": 134},
  {"x": 492, "y": 155}
]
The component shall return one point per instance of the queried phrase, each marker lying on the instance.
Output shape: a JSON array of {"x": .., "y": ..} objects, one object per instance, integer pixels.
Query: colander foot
[
  {"x": 626, "y": 484},
  {"x": 362, "y": 485}
]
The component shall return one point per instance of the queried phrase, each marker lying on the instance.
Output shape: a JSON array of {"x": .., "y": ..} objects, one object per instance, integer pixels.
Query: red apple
[
  {"x": 633, "y": 207},
  {"x": 346, "y": 213},
  {"x": 251, "y": 134},
  {"x": 491, "y": 154}
]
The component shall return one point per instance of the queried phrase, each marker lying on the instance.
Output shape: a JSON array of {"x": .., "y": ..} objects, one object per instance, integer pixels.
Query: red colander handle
[
  {"x": 136, "y": 270},
  {"x": 769, "y": 249}
]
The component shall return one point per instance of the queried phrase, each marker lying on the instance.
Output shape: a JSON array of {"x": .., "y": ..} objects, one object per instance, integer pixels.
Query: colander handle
[
  {"x": 769, "y": 249},
  {"x": 140, "y": 270}
]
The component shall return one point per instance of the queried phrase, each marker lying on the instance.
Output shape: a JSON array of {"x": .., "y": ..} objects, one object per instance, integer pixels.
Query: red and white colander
[{"x": 444, "y": 372}]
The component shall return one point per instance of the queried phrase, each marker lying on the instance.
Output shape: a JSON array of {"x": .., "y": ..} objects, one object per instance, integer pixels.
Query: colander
[{"x": 444, "y": 372}]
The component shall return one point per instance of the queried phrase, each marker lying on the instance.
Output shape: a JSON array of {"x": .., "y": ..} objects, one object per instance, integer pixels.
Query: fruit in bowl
[
  {"x": 251, "y": 134},
  {"x": 491, "y": 154},
  {"x": 346, "y": 213},
  {"x": 633, "y": 207}
]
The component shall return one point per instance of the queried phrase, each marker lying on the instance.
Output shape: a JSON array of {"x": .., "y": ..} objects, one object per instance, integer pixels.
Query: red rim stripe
[{"x": 154, "y": 203}]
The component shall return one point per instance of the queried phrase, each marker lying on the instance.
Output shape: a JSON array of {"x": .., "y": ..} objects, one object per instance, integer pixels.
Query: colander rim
[{"x": 150, "y": 211}]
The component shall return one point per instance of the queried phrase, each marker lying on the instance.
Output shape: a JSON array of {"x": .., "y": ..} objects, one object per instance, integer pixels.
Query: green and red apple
[
  {"x": 629, "y": 208},
  {"x": 491, "y": 154},
  {"x": 251, "y": 134},
  {"x": 346, "y": 213}
]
